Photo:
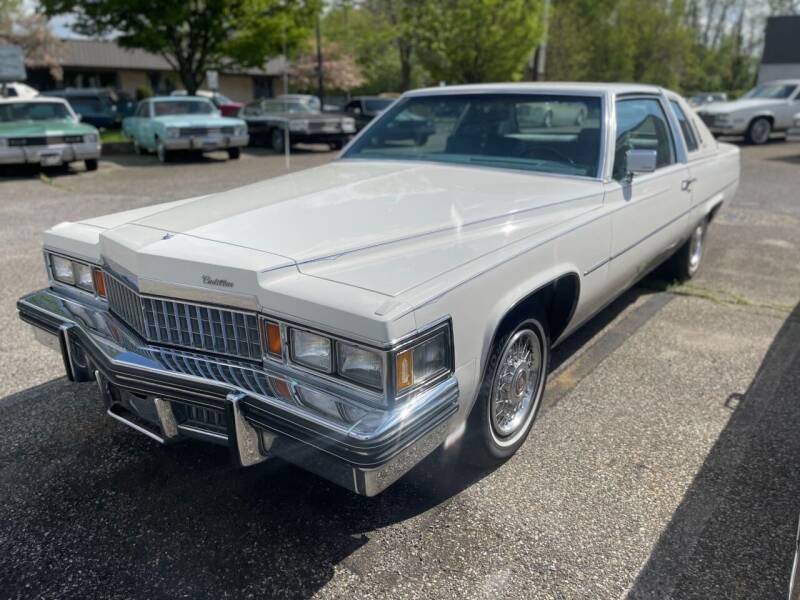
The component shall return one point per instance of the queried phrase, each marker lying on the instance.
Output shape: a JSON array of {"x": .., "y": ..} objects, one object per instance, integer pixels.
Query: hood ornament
[{"x": 168, "y": 236}]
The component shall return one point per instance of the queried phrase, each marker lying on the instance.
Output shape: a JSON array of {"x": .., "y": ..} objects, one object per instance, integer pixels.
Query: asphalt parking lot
[{"x": 665, "y": 463}]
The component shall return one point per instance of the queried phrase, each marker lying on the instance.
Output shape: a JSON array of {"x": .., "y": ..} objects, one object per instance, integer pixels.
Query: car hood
[
  {"x": 44, "y": 128},
  {"x": 198, "y": 121},
  {"x": 382, "y": 226},
  {"x": 743, "y": 104}
]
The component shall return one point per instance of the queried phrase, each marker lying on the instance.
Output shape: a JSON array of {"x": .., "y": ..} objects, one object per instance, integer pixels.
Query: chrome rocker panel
[{"x": 362, "y": 448}]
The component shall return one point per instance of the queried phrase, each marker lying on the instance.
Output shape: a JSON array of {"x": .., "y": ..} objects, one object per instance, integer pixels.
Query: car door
[
  {"x": 701, "y": 158},
  {"x": 257, "y": 126},
  {"x": 130, "y": 125},
  {"x": 356, "y": 109},
  {"x": 649, "y": 211},
  {"x": 784, "y": 117},
  {"x": 146, "y": 126}
]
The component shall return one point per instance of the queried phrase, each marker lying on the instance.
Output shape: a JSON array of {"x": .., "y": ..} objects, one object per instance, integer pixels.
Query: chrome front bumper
[
  {"x": 256, "y": 411},
  {"x": 207, "y": 143},
  {"x": 57, "y": 154}
]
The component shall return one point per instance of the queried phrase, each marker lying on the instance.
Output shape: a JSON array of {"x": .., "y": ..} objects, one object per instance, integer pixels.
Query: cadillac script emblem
[{"x": 217, "y": 282}]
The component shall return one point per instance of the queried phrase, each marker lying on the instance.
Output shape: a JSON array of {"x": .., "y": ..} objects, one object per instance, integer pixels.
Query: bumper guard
[{"x": 169, "y": 394}]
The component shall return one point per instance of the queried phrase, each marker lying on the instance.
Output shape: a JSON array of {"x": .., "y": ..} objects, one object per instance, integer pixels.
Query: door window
[
  {"x": 642, "y": 125},
  {"x": 686, "y": 127}
]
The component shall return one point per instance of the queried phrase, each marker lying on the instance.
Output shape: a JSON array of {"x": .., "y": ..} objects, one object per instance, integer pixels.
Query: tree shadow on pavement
[
  {"x": 733, "y": 534},
  {"x": 93, "y": 509}
]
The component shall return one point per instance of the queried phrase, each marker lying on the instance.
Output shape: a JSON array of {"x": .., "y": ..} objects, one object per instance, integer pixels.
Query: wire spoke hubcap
[{"x": 516, "y": 383}]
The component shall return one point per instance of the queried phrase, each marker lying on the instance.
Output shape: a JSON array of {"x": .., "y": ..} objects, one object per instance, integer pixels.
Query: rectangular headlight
[
  {"x": 360, "y": 365},
  {"x": 422, "y": 362},
  {"x": 311, "y": 350},
  {"x": 62, "y": 269},
  {"x": 83, "y": 276},
  {"x": 77, "y": 274}
]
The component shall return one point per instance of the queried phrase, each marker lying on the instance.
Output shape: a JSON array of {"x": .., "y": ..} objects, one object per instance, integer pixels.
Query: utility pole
[
  {"x": 285, "y": 57},
  {"x": 320, "y": 84},
  {"x": 541, "y": 55}
]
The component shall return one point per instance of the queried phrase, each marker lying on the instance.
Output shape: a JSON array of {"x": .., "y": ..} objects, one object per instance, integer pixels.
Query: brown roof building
[{"x": 102, "y": 63}]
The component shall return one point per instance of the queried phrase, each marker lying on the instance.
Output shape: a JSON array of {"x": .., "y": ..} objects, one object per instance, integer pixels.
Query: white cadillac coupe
[{"x": 353, "y": 317}]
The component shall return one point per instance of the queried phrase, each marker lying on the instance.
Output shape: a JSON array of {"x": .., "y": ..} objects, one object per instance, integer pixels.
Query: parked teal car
[
  {"x": 167, "y": 124},
  {"x": 45, "y": 131}
]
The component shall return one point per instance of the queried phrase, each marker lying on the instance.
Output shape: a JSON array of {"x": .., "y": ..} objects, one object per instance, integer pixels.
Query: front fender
[{"x": 521, "y": 291}]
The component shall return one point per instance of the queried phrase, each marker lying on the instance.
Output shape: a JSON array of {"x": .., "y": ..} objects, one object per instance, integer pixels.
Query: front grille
[
  {"x": 199, "y": 417},
  {"x": 707, "y": 119},
  {"x": 197, "y": 131},
  {"x": 324, "y": 126},
  {"x": 207, "y": 328},
  {"x": 36, "y": 141}
]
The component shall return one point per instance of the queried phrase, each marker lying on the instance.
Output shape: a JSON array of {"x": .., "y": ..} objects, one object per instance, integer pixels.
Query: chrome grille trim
[
  {"x": 189, "y": 131},
  {"x": 185, "y": 324}
]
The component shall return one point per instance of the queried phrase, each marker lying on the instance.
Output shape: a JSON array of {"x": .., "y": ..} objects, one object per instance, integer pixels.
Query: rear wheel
[
  {"x": 510, "y": 394},
  {"x": 234, "y": 153},
  {"x": 685, "y": 263},
  {"x": 277, "y": 140},
  {"x": 758, "y": 131},
  {"x": 91, "y": 164}
]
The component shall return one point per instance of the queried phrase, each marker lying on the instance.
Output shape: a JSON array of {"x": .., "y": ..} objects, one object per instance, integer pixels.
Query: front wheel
[
  {"x": 91, "y": 164},
  {"x": 162, "y": 152},
  {"x": 278, "y": 141},
  {"x": 510, "y": 393},
  {"x": 234, "y": 153},
  {"x": 758, "y": 131}
]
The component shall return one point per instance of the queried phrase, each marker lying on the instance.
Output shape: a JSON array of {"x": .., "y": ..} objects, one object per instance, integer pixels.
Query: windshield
[
  {"x": 531, "y": 132},
  {"x": 376, "y": 105},
  {"x": 774, "y": 90},
  {"x": 33, "y": 111},
  {"x": 168, "y": 108},
  {"x": 286, "y": 106},
  {"x": 88, "y": 105}
]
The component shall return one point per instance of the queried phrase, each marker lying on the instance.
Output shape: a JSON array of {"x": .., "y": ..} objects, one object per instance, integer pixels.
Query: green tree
[
  {"x": 619, "y": 40},
  {"x": 383, "y": 51},
  {"x": 382, "y": 35},
  {"x": 195, "y": 35},
  {"x": 471, "y": 41}
]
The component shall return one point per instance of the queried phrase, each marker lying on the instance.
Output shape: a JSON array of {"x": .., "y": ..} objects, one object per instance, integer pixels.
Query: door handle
[{"x": 686, "y": 184}]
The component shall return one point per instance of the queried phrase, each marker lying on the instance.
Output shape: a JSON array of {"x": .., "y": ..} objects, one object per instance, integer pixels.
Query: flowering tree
[
  {"x": 340, "y": 70},
  {"x": 31, "y": 32}
]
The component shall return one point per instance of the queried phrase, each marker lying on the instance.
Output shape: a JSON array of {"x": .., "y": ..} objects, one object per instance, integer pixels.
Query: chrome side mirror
[{"x": 640, "y": 161}]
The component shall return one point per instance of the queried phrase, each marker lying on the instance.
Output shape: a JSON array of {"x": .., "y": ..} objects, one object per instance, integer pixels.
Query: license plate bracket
[{"x": 49, "y": 159}]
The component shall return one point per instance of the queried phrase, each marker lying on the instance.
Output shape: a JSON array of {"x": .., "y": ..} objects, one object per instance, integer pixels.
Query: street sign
[
  {"x": 212, "y": 78},
  {"x": 12, "y": 65}
]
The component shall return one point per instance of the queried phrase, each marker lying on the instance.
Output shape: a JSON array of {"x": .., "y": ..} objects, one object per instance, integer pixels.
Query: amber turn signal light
[
  {"x": 99, "y": 280},
  {"x": 273, "y": 333},
  {"x": 405, "y": 370}
]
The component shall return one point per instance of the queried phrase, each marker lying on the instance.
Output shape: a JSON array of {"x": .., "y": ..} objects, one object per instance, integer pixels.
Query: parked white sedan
[
  {"x": 354, "y": 317},
  {"x": 764, "y": 109},
  {"x": 793, "y": 135}
]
